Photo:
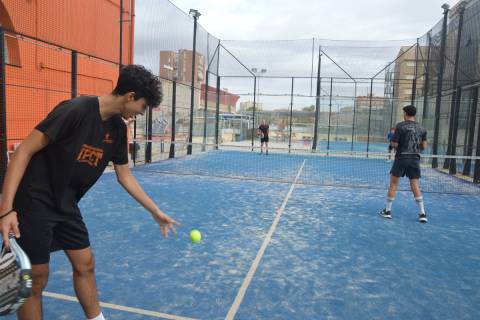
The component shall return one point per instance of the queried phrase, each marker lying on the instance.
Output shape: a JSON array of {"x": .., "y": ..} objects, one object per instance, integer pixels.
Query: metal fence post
[
  {"x": 369, "y": 115},
  {"x": 217, "y": 113},
  {"x": 3, "y": 108},
  {"x": 329, "y": 114},
  {"x": 74, "y": 74},
  {"x": 291, "y": 117},
  {"x": 426, "y": 82},
  {"x": 196, "y": 14},
  {"x": 414, "y": 82},
  {"x": 120, "y": 52},
  {"x": 174, "y": 114},
  {"x": 317, "y": 100},
  {"x": 438, "y": 100},
  {"x": 471, "y": 132},
  {"x": 205, "y": 113},
  {"x": 148, "y": 149},
  {"x": 354, "y": 114},
  {"x": 254, "y": 105},
  {"x": 456, "y": 100}
]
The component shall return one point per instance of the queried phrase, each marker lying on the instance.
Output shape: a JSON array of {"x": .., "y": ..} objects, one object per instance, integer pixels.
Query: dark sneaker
[
  {"x": 422, "y": 217},
  {"x": 386, "y": 214}
]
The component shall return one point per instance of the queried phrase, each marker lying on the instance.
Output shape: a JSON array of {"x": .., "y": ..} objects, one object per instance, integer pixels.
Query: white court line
[
  {"x": 246, "y": 282},
  {"x": 118, "y": 307}
]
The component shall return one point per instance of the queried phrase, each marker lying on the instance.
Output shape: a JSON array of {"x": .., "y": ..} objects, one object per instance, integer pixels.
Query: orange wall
[{"x": 38, "y": 76}]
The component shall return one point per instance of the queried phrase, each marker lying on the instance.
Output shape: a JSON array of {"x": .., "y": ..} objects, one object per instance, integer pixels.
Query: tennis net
[{"x": 329, "y": 168}]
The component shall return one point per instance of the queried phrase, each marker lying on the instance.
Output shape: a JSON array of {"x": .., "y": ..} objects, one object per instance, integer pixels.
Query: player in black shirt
[
  {"x": 263, "y": 130},
  {"x": 409, "y": 140},
  {"x": 55, "y": 166}
]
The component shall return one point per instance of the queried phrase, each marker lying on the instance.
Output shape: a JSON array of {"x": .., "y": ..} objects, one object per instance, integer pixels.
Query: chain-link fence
[
  {"x": 320, "y": 94},
  {"x": 315, "y": 94}
]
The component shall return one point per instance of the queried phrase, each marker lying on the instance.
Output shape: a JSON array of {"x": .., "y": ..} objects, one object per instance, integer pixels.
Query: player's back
[{"x": 409, "y": 136}]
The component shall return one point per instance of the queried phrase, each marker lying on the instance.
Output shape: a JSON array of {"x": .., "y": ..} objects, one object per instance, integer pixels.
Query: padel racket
[{"x": 15, "y": 278}]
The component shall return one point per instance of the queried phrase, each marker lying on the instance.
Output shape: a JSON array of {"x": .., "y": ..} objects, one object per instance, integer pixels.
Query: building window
[
  {"x": 5, "y": 46},
  {"x": 12, "y": 52}
]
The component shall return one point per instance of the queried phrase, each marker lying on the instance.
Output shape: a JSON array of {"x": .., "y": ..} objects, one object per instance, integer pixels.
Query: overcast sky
[{"x": 327, "y": 19}]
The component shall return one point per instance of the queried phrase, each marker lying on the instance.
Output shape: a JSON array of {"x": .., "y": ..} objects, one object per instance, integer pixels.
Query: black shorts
[
  {"x": 390, "y": 148},
  {"x": 409, "y": 167},
  {"x": 264, "y": 139},
  {"x": 42, "y": 232}
]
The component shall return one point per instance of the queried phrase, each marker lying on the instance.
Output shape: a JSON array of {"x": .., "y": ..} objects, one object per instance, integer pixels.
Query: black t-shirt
[
  {"x": 81, "y": 146},
  {"x": 264, "y": 129},
  {"x": 409, "y": 135}
]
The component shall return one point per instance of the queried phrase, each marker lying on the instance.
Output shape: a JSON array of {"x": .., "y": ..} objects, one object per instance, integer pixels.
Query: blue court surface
[{"x": 273, "y": 249}]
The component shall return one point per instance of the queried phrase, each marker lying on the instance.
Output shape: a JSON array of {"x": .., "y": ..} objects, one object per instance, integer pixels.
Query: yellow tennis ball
[{"x": 195, "y": 236}]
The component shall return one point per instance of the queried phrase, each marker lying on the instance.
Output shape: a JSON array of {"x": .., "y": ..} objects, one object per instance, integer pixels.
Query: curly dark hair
[{"x": 136, "y": 78}]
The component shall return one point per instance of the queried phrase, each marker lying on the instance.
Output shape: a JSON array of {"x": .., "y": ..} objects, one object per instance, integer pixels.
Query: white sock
[
  {"x": 99, "y": 317},
  {"x": 420, "y": 205},
  {"x": 388, "y": 207}
]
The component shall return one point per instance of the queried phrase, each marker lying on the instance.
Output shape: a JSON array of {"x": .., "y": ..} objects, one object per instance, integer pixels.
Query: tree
[{"x": 310, "y": 109}]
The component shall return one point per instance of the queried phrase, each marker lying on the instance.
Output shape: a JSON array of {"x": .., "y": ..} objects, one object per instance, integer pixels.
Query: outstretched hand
[{"x": 166, "y": 224}]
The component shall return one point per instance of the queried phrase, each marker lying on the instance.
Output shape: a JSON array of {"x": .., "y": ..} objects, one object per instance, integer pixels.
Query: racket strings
[
  {"x": 6, "y": 259},
  {"x": 9, "y": 277}
]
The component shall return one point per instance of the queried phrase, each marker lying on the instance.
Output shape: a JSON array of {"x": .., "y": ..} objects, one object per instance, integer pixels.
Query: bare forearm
[{"x": 130, "y": 184}]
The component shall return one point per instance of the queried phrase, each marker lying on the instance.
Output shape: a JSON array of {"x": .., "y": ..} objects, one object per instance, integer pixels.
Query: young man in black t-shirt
[
  {"x": 409, "y": 140},
  {"x": 55, "y": 166},
  {"x": 263, "y": 131}
]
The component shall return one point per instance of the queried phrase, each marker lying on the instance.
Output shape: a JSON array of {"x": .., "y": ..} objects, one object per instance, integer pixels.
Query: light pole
[
  {"x": 256, "y": 73},
  {"x": 195, "y": 14}
]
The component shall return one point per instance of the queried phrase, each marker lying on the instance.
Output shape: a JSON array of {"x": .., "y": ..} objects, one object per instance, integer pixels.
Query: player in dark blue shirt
[
  {"x": 409, "y": 140},
  {"x": 391, "y": 149}
]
